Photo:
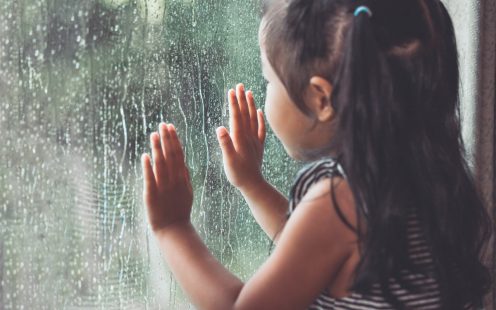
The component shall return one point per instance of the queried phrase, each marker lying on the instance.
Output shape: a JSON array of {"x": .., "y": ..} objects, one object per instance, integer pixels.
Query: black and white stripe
[
  {"x": 419, "y": 251},
  {"x": 309, "y": 175}
]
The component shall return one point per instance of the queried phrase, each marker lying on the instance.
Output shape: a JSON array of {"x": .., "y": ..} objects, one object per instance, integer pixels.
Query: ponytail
[{"x": 363, "y": 98}]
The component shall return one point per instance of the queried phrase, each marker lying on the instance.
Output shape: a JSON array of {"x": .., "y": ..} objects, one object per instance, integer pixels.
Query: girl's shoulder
[
  {"x": 324, "y": 182},
  {"x": 316, "y": 175}
]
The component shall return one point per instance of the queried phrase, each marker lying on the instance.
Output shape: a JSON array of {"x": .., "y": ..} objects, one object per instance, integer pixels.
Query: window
[{"x": 82, "y": 85}]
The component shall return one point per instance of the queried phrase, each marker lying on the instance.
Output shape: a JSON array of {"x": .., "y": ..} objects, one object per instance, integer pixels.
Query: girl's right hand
[{"x": 242, "y": 148}]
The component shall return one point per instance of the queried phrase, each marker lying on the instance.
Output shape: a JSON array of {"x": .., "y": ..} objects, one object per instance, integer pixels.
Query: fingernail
[{"x": 220, "y": 132}]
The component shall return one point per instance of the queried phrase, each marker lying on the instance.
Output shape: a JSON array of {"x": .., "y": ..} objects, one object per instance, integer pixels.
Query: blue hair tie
[{"x": 361, "y": 9}]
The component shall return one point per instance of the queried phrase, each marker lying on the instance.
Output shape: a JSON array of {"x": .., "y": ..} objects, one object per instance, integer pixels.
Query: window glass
[{"x": 83, "y": 84}]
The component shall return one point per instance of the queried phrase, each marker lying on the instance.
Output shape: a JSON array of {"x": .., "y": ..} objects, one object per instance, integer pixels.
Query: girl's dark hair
[{"x": 395, "y": 92}]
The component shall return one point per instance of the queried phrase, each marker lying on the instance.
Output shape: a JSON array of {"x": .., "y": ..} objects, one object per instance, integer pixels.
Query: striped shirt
[{"x": 418, "y": 251}]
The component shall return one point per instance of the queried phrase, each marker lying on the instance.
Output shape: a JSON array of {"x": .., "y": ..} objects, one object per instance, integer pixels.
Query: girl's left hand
[{"x": 168, "y": 193}]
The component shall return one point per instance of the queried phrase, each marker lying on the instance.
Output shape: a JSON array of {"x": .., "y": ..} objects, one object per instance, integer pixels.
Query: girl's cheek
[
  {"x": 268, "y": 107},
  {"x": 267, "y": 111}
]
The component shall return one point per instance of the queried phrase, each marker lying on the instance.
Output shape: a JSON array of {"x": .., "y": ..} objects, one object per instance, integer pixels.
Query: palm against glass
[
  {"x": 242, "y": 148},
  {"x": 168, "y": 193}
]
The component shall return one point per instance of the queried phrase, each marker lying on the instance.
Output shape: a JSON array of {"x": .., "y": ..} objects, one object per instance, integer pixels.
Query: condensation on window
[{"x": 82, "y": 85}]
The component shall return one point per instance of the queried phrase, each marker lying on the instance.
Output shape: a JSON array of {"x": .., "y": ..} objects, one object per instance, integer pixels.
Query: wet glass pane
[{"x": 82, "y": 85}]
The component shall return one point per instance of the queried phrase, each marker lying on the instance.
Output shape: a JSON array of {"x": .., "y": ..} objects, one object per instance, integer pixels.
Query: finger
[
  {"x": 176, "y": 147},
  {"x": 253, "y": 112},
  {"x": 243, "y": 106},
  {"x": 162, "y": 128},
  {"x": 149, "y": 184},
  {"x": 162, "y": 138},
  {"x": 186, "y": 174},
  {"x": 169, "y": 151},
  {"x": 226, "y": 144},
  {"x": 261, "y": 127},
  {"x": 235, "y": 122},
  {"x": 159, "y": 167}
]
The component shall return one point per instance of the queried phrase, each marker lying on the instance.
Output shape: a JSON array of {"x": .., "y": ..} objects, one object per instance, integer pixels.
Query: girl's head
[
  {"x": 302, "y": 136},
  {"x": 305, "y": 49},
  {"x": 380, "y": 94}
]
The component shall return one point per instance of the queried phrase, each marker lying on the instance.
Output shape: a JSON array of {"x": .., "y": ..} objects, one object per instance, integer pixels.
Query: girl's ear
[{"x": 319, "y": 98}]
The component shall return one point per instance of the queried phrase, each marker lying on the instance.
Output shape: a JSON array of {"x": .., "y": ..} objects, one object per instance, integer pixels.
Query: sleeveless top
[{"x": 418, "y": 251}]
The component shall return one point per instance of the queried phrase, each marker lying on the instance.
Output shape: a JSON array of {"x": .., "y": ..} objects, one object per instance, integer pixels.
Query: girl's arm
[
  {"x": 311, "y": 249},
  {"x": 208, "y": 284},
  {"x": 242, "y": 153},
  {"x": 268, "y": 206}
]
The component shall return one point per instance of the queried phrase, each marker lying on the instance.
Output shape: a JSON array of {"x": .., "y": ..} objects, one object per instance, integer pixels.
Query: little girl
[{"x": 385, "y": 214}]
